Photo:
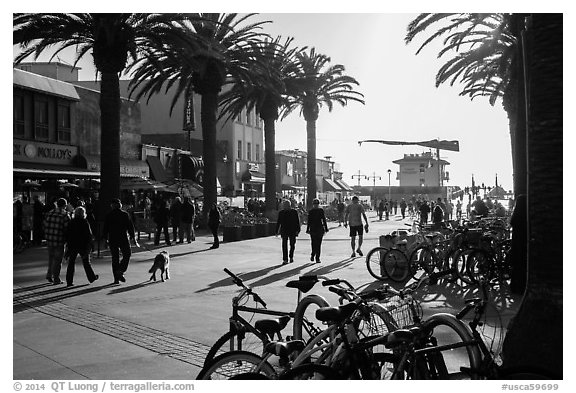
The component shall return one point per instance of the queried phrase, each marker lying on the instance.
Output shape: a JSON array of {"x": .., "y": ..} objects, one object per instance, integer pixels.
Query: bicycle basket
[{"x": 404, "y": 311}]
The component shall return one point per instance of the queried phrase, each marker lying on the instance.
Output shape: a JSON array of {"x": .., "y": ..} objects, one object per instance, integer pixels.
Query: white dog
[{"x": 162, "y": 263}]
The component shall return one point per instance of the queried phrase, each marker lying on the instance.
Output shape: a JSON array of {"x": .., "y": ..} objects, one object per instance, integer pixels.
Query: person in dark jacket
[
  {"x": 79, "y": 241},
  {"x": 161, "y": 218},
  {"x": 119, "y": 230},
  {"x": 38, "y": 219},
  {"x": 288, "y": 226},
  {"x": 175, "y": 217},
  {"x": 424, "y": 211},
  {"x": 187, "y": 221},
  {"x": 317, "y": 227},
  {"x": 214, "y": 219}
]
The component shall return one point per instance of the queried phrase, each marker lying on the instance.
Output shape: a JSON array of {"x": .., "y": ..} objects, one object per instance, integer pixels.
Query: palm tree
[
  {"x": 534, "y": 336},
  {"x": 112, "y": 39},
  {"x": 275, "y": 70},
  {"x": 488, "y": 63},
  {"x": 317, "y": 84},
  {"x": 210, "y": 49}
]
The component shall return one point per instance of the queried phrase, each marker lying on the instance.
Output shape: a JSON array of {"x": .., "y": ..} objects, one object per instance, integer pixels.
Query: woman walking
[
  {"x": 317, "y": 227},
  {"x": 214, "y": 219},
  {"x": 79, "y": 241}
]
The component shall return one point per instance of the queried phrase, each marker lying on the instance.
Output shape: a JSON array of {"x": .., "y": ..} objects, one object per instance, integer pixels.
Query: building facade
[{"x": 422, "y": 170}]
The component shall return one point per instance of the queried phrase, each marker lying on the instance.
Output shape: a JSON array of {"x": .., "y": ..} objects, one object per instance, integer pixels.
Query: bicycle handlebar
[{"x": 238, "y": 281}]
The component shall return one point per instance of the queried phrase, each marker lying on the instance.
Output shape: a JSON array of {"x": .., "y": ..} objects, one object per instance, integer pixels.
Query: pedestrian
[
  {"x": 119, "y": 231},
  {"x": 387, "y": 209},
  {"x": 438, "y": 214},
  {"x": 424, "y": 211},
  {"x": 449, "y": 209},
  {"x": 176, "y": 217},
  {"x": 38, "y": 219},
  {"x": 403, "y": 208},
  {"x": 479, "y": 208},
  {"x": 55, "y": 224},
  {"x": 341, "y": 207},
  {"x": 214, "y": 218},
  {"x": 354, "y": 214},
  {"x": 316, "y": 228},
  {"x": 187, "y": 221},
  {"x": 79, "y": 242},
  {"x": 459, "y": 209},
  {"x": 288, "y": 226},
  {"x": 380, "y": 209},
  {"x": 395, "y": 207},
  {"x": 161, "y": 219}
]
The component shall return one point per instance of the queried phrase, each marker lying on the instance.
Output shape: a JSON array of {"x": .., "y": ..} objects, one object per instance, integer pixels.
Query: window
[
  {"x": 249, "y": 151},
  {"x": 257, "y": 153},
  {"x": 239, "y": 150},
  {"x": 422, "y": 168},
  {"x": 64, "y": 122},
  {"x": 41, "y": 120},
  {"x": 239, "y": 117},
  {"x": 18, "y": 116}
]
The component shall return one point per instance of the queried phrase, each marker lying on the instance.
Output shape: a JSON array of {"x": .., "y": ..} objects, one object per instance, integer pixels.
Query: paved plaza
[{"x": 142, "y": 330}]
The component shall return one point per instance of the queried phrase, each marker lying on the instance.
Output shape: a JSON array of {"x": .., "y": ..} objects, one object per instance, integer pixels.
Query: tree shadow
[
  {"x": 280, "y": 276},
  {"x": 31, "y": 287}
]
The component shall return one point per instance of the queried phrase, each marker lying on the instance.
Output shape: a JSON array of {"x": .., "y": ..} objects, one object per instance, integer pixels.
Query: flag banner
[{"x": 434, "y": 144}]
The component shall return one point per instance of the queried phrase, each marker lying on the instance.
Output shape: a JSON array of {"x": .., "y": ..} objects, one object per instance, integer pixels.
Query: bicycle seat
[
  {"x": 398, "y": 337},
  {"x": 272, "y": 326},
  {"x": 335, "y": 314},
  {"x": 284, "y": 348},
  {"x": 302, "y": 285}
]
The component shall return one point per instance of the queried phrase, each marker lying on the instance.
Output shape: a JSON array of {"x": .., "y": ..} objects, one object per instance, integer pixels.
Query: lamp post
[
  {"x": 389, "y": 191},
  {"x": 374, "y": 177},
  {"x": 359, "y": 176}
]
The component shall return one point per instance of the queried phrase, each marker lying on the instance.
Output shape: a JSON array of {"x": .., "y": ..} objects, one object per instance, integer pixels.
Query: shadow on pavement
[
  {"x": 60, "y": 292},
  {"x": 282, "y": 275},
  {"x": 127, "y": 288},
  {"x": 227, "y": 280}
]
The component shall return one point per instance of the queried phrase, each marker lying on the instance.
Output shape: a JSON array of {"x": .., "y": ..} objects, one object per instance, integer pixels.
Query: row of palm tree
[
  {"x": 518, "y": 57},
  {"x": 202, "y": 53}
]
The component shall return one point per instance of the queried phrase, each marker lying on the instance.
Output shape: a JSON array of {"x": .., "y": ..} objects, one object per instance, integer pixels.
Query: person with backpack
[
  {"x": 187, "y": 221},
  {"x": 438, "y": 214}
]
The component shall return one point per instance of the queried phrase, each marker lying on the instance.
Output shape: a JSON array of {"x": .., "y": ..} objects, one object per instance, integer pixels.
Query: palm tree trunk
[
  {"x": 208, "y": 120},
  {"x": 270, "y": 157},
  {"x": 109, "y": 140},
  {"x": 311, "y": 162},
  {"x": 534, "y": 337}
]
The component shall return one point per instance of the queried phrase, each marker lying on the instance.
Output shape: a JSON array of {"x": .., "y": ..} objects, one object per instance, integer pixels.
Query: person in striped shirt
[{"x": 55, "y": 224}]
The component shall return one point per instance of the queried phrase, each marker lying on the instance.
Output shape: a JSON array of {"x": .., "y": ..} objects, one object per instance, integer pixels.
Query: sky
[{"x": 401, "y": 100}]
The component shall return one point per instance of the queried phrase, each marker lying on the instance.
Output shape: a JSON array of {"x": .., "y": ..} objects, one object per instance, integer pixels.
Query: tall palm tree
[
  {"x": 488, "y": 62},
  {"x": 112, "y": 39},
  {"x": 212, "y": 47},
  {"x": 318, "y": 84},
  {"x": 534, "y": 336},
  {"x": 275, "y": 71}
]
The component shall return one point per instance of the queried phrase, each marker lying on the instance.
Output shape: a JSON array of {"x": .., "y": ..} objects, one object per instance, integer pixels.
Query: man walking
[
  {"x": 119, "y": 230},
  {"x": 341, "y": 207},
  {"x": 353, "y": 216},
  {"x": 55, "y": 225},
  {"x": 187, "y": 221},
  {"x": 288, "y": 226},
  {"x": 175, "y": 214}
]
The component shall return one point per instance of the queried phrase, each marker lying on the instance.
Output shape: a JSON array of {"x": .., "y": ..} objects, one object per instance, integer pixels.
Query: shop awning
[
  {"x": 330, "y": 185},
  {"x": 192, "y": 167},
  {"x": 45, "y": 85},
  {"x": 156, "y": 168},
  {"x": 253, "y": 177},
  {"x": 128, "y": 167},
  {"x": 54, "y": 172},
  {"x": 343, "y": 185}
]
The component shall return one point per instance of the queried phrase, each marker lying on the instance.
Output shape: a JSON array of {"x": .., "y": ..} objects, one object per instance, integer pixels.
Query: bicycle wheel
[
  {"x": 459, "y": 263},
  {"x": 374, "y": 263},
  {"x": 396, "y": 265},
  {"x": 421, "y": 259},
  {"x": 456, "y": 363},
  {"x": 230, "y": 364},
  {"x": 309, "y": 372},
  {"x": 480, "y": 265},
  {"x": 378, "y": 322},
  {"x": 305, "y": 316},
  {"x": 235, "y": 341}
]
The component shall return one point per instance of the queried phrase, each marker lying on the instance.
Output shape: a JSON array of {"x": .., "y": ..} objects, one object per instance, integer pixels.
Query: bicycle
[
  {"x": 334, "y": 346},
  {"x": 388, "y": 262},
  {"x": 243, "y": 335}
]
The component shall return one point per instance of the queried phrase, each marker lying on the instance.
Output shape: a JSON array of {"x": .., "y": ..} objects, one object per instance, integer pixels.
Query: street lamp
[
  {"x": 389, "y": 191},
  {"x": 374, "y": 177}
]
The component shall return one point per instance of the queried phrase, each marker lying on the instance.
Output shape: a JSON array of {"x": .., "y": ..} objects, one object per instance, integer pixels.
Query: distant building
[{"x": 423, "y": 170}]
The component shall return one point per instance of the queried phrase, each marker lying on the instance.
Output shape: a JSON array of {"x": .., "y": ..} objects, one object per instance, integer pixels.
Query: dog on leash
[{"x": 162, "y": 263}]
